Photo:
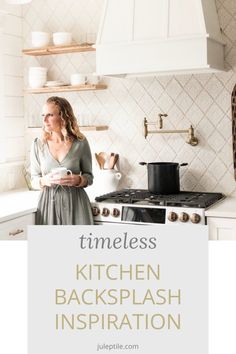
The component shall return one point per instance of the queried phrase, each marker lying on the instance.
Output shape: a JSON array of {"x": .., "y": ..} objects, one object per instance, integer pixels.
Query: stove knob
[
  {"x": 195, "y": 218},
  {"x": 115, "y": 212},
  {"x": 172, "y": 216},
  {"x": 95, "y": 211},
  {"x": 105, "y": 212},
  {"x": 184, "y": 217}
]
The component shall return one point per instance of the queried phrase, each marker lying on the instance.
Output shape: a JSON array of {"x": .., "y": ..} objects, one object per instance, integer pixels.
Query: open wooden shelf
[
  {"x": 93, "y": 127},
  {"x": 73, "y": 48},
  {"x": 82, "y": 128},
  {"x": 66, "y": 88}
]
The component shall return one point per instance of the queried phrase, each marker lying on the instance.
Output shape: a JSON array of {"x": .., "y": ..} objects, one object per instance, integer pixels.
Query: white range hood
[{"x": 153, "y": 37}]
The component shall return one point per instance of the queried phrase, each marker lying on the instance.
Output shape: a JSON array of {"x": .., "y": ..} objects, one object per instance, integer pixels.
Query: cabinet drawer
[{"x": 16, "y": 229}]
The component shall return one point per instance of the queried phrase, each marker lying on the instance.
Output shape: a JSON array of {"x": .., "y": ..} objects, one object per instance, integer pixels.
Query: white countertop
[
  {"x": 223, "y": 209},
  {"x": 17, "y": 203},
  {"x": 20, "y": 202}
]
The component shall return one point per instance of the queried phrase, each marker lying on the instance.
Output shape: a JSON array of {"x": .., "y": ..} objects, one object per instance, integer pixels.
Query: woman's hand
[
  {"x": 71, "y": 180},
  {"x": 46, "y": 180}
]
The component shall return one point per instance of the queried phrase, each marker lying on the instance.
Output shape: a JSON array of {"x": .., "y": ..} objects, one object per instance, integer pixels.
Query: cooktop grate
[{"x": 182, "y": 199}]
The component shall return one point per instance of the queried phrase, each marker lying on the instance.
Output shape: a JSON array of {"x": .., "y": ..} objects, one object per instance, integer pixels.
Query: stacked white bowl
[
  {"x": 37, "y": 76},
  {"x": 40, "y": 39}
]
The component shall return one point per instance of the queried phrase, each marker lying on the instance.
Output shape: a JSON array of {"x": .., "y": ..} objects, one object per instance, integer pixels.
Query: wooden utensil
[
  {"x": 116, "y": 158},
  {"x": 113, "y": 160},
  {"x": 102, "y": 159},
  {"x": 98, "y": 160}
]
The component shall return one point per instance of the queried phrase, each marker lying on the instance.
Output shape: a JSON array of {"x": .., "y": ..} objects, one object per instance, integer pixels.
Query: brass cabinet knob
[
  {"x": 115, "y": 212},
  {"x": 95, "y": 211},
  {"x": 184, "y": 217},
  {"x": 105, "y": 212},
  {"x": 195, "y": 218},
  {"x": 172, "y": 216}
]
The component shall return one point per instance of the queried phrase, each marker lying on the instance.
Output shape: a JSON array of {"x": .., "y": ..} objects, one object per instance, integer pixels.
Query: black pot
[{"x": 163, "y": 177}]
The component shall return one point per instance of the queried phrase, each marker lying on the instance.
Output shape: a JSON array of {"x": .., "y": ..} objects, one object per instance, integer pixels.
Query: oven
[{"x": 131, "y": 206}]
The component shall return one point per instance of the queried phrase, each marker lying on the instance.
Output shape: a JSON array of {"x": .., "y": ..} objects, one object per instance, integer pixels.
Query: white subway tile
[
  {"x": 13, "y": 65},
  {"x": 3, "y": 150},
  {"x": 13, "y": 25},
  {"x": 15, "y": 148},
  {"x": 16, "y": 171},
  {"x": 13, "y": 106},
  {"x": 12, "y": 45},
  {"x": 11, "y": 9},
  {"x": 13, "y": 127},
  {"x": 13, "y": 86}
]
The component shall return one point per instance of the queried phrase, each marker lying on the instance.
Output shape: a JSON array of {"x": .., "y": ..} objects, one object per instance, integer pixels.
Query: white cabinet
[
  {"x": 221, "y": 220},
  {"x": 222, "y": 228},
  {"x": 16, "y": 229}
]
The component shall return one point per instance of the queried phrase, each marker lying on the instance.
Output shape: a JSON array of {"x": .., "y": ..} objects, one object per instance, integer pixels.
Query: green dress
[{"x": 62, "y": 205}]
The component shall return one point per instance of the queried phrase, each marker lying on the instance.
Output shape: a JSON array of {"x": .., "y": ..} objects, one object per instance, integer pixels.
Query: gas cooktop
[{"x": 143, "y": 196}]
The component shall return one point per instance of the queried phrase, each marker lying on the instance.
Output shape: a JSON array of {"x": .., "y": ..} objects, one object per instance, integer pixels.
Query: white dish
[
  {"x": 37, "y": 70},
  {"x": 53, "y": 83},
  {"x": 78, "y": 79},
  {"x": 36, "y": 83},
  {"x": 40, "y": 39},
  {"x": 62, "y": 38}
]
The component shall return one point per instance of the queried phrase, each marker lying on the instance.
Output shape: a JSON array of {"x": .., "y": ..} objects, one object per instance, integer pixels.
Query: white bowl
[
  {"x": 40, "y": 39},
  {"x": 53, "y": 83},
  {"x": 37, "y": 74},
  {"x": 62, "y": 38},
  {"x": 78, "y": 79},
  {"x": 37, "y": 79},
  {"x": 36, "y": 83},
  {"x": 37, "y": 69}
]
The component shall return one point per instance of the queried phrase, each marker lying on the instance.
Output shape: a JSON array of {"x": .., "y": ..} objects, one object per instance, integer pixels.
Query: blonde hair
[{"x": 69, "y": 127}]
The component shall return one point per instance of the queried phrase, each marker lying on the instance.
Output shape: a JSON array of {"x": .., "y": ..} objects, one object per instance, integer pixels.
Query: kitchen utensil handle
[
  {"x": 143, "y": 163},
  {"x": 184, "y": 164}
]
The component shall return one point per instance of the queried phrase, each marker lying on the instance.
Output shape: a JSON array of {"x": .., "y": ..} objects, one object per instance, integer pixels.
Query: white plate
[{"x": 54, "y": 83}]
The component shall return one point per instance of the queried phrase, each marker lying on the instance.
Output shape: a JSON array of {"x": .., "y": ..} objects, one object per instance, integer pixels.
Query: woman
[{"x": 63, "y": 200}]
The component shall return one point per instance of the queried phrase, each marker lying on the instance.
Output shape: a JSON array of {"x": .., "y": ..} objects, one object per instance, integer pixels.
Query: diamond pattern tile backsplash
[{"x": 203, "y": 100}]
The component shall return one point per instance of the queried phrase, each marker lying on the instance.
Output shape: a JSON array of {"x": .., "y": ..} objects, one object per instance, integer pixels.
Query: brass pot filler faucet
[{"x": 192, "y": 140}]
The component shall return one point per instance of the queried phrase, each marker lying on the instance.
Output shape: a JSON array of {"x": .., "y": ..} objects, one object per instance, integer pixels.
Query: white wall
[
  {"x": 201, "y": 100},
  {"x": 12, "y": 140}
]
